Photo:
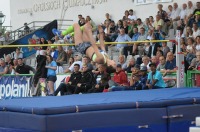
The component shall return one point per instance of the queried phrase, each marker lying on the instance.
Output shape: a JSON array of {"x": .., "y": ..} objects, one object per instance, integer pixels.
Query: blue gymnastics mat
[{"x": 160, "y": 110}]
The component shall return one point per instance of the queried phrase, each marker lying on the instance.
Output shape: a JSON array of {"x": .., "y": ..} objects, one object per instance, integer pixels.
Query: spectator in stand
[
  {"x": 26, "y": 28},
  {"x": 146, "y": 62},
  {"x": 147, "y": 25},
  {"x": 190, "y": 10},
  {"x": 51, "y": 74},
  {"x": 153, "y": 48},
  {"x": 146, "y": 47},
  {"x": 165, "y": 49},
  {"x": 122, "y": 61},
  {"x": 161, "y": 12},
  {"x": 189, "y": 32},
  {"x": 107, "y": 15},
  {"x": 175, "y": 15},
  {"x": 155, "y": 79},
  {"x": 122, "y": 37},
  {"x": 3, "y": 68},
  {"x": 195, "y": 64},
  {"x": 170, "y": 65},
  {"x": 57, "y": 40},
  {"x": 2, "y": 39},
  {"x": 86, "y": 82},
  {"x": 18, "y": 54},
  {"x": 119, "y": 77},
  {"x": 135, "y": 34},
  {"x": 159, "y": 53},
  {"x": 151, "y": 20},
  {"x": 119, "y": 25},
  {"x": 62, "y": 56},
  {"x": 183, "y": 14},
  {"x": 190, "y": 49},
  {"x": 71, "y": 61},
  {"x": 197, "y": 9},
  {"x": 155, "y": 60},
  {"x": 54, "y": 53},
  {"x": 131, "y": 16},
  {"x": 69, "y": 87},
  {"x": 169, "y": 13},
  {"x": 8, "y": 37},
  {"x": 86, "y": 60},
  {"x": 161, "y": 65},
  {"x": 139, "y": 46},
  {"x": 8, "y": 60},
  {"x": 88, "y": 19},
  {"x": 196, "y": 30},
  {"x": 130, "y": 65},
  {"x": 160, "y": 34},
  {"x": 195, "y": 19},
  {"x": 112, "y": 32},
  {"x": 80, "y": 22},
  {"x": 197, "y": 47},
  {"x": 77, "y": 59},
  {"x": 143, "y": 77},
  {"x": 22, "y": 68},
  {"x": 106, "y": 30},
  {"x": 150, "y": 33},
  {"x": 158, "y": 22},
  {"x": 139, "y": 23},
  {"x": 125, "y": 26},
  {"x": 126, "y": 15}
]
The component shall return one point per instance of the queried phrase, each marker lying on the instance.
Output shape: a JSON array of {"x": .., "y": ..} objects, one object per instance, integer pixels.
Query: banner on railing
[
  {"x": 14, "y": 87},
  {"x": 141, "y": 2}
]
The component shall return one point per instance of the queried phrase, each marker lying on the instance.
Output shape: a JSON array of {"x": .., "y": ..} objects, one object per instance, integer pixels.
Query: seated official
[
  {"x": 69, "y": 87},
  {"x": 22, "y": 68},
  {"x": 155, "y": 79}
]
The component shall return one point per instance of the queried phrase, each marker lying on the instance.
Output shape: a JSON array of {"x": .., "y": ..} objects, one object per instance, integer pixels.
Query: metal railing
[{"x": 35, "y": 25}]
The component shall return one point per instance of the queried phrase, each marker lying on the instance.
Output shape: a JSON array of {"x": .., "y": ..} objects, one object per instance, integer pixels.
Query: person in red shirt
[{"x": 120, "y": 77}]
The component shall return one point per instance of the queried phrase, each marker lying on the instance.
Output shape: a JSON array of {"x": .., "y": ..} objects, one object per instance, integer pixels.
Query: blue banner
[
  {"x": 32, "y": 38},
  {"x": 14, "y": 87}
]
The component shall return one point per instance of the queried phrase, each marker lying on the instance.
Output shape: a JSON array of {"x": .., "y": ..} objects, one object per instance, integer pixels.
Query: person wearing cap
[
  {"x": 155, "y": 80},
  {"x": 120, "y": 77},
  {"x": 143, "y": 77}
]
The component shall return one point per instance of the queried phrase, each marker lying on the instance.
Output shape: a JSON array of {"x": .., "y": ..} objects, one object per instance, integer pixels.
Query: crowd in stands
[{"x": 144, "y": 61}]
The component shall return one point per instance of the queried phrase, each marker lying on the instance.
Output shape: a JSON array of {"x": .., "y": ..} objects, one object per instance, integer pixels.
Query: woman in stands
[{"x": 51, "y": 73}]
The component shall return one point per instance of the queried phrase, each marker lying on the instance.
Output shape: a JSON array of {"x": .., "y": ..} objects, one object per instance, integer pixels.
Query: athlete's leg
[{"x": 78, "y": 36}]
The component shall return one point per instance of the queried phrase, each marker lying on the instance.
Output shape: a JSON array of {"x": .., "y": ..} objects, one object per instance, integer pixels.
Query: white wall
[{"x": 116, "y": 9}]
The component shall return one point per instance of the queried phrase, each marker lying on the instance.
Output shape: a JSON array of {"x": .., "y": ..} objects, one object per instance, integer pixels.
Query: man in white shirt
[
  {"x": 131, "y": 16},
  {"x": 175, "y": 15},
  {"x": 190, "y": 9}
]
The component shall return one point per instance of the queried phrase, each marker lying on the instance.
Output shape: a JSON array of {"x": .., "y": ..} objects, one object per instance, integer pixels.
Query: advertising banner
[{"x": 15, "y": 87}]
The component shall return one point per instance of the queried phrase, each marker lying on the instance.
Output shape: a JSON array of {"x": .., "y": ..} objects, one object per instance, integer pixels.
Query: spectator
[
  {"x": 69, "y": 87},
  {"x": 170, "y": 65},
  {"x": 51, "y": 74},
  {"x": 122, "y": 37},
  {"x": 130, "y": 64},
  {"x": 62, "y": 56},
  {"x": 71, "y": 61},
  {"x": 86, "y": 82},
  {"x": 2, "y": 39},
  {"x": 22, "y": 68},
  {"x": 88, "y": 19},
  {"x": 154, "y": 60},
  {"x": 8, "y": 37},
  {"x": 195, "y": 64},
  {"x": 146, "y": 62},
  {"x": 190, "y": 49},
  {"x": 158, "y": 21},
  {"x": 143, "y": 77},
  {"x": 4, "y": 68},
  {"x": 126, "y": 15},
  {"x": 183, "y": 13},
  {"x": 80, "y": 22},
  {"x": 165, "y": 49},
  {"x": 196, "y": 30},
  {"x": 197, "y": 9},
  {"x": 18, "y": 54},
  {"x": 189, "y": 32},
  {"x": 139, "y": 23},
  {"x": 190, "y": 9},
  {"x": 54, "y": 53},
  {"x": 77, "y": 60},
  {"x": 119, "y": 77},
  {"x": 169, "y": 13},
  {"x": 122, "y": 61},
  {"x": 161, "y": 12},
  {"x": 151, "y": 20},
  {"x": 125, "y": 26},
  {"x": 26, "y": 28},
  {"x": 131, "y": 16},
  {"x": 107, "y": 15},
  {"x": 197, "y": 47},
  {"x": 161, "y": 65},
  {"x": 85, "y": 60},
  {"x": 155, "y": 79},
  {"x": 175, "y": 15},
  {"x": 153, "y": 48}
]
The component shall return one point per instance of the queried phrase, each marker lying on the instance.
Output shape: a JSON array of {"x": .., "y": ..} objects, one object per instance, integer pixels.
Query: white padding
[
  {"x": 194, "y": 129},
  {"x": 198, "y": 121}
]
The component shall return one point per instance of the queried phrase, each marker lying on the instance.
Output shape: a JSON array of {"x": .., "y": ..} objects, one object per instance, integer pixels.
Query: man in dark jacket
[
  {"x": 86, "y": 82},
  {"x": 70, "y": 86},
  {"x": 22, "y": 68}
]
